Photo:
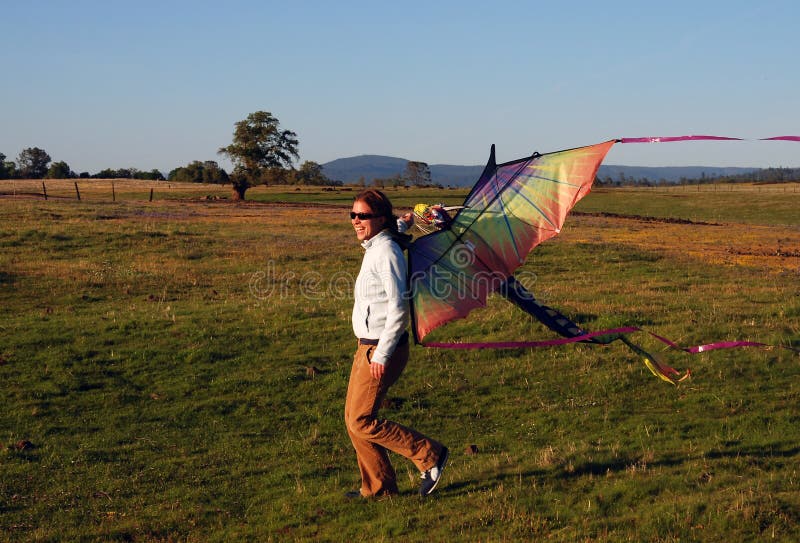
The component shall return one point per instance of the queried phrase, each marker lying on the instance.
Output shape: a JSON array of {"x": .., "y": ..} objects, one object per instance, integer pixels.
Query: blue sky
[{"x": 145, "y": 84}]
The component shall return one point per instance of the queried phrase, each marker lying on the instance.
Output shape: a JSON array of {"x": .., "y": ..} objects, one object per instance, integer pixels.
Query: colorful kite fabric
[{"x": 513, "y": 207}]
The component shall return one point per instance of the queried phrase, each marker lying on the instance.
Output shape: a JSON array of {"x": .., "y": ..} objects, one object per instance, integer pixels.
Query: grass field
[{"x": 175, "y": 370}]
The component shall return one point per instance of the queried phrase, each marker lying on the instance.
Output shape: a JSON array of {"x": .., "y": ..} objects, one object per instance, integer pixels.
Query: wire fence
[
  {"x": 109, "y": 190},
  {"x": 114, "y": 190},
  {"x": 787, "y": 187}
]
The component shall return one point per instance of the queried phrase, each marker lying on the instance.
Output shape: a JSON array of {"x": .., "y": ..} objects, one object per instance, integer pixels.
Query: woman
[{"x": 380, "y": 317}]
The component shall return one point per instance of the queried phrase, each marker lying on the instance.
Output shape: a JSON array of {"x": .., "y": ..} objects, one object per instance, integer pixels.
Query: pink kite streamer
[
  {"x": 782, "y": 138},
  {"x": 665, "y": 139},
  {"x": 615, "y": 331},
  {"x": 530, "y": 344}
]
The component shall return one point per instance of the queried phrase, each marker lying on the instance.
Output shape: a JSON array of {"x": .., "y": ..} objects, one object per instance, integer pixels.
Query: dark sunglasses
[{"x": 361, "y": 216}]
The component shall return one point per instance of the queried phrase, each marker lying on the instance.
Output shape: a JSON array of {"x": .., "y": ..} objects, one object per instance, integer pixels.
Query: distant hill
[{"x": 352, "y": 169}]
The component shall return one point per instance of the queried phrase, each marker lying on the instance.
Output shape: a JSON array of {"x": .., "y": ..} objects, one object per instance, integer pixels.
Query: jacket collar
[{"x": 383, "y": 234}]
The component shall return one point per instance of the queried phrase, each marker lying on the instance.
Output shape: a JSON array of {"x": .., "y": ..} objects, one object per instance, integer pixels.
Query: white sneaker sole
[{"x": 441, "y": 470}]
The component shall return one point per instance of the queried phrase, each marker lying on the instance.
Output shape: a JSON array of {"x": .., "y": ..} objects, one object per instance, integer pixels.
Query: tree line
[
  {"x": 261, "y": 152},
  {"x": 762, "y": 176},
  {"x": 35, "y": 163}
]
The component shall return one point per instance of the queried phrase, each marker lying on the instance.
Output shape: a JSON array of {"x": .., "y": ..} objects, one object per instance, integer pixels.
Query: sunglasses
[{"x": 362, "y": 216}]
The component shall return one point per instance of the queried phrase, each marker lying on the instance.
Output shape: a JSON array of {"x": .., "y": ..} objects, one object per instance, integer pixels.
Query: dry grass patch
[{"x": 773, "y": 249}]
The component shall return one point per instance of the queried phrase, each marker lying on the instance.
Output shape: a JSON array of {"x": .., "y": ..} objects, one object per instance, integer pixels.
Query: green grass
[
  {"x": 753, "y": 204},
  {"x": 155, "y": 355}
]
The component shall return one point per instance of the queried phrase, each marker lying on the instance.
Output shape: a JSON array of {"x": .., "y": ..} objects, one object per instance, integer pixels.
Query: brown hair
[{"x": 380, "y": 204}]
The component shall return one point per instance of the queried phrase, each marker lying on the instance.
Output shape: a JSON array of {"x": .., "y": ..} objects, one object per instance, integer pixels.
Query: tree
[
  {"x": 33, "y": 163},
  {"x": 200, "y": 172},
  {"x": 259, "y": 148},
  {"x": 60, "y": 170},
  {"x": 153, "y": 175},
  {"x": 10, "y": 168},
  {"x": 3, "y": 171},
  {"x": 108, "y": 173},
  {"x": 310, "y": 173},
  {"x": 418, "y": 173}
]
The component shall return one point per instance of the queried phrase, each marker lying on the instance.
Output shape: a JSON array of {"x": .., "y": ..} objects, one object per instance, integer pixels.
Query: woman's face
[{"x": 366, "y": 228}]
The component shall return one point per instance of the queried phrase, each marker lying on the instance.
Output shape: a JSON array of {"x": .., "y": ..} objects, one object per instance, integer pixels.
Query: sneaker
[{"x": 432, "y": 477}]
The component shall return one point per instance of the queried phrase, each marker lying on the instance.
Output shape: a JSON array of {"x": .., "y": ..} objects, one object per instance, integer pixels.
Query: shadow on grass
[
  {"x": 781, "y": 450},
  {"x": 778, "y": 450},
  {"x": 755, "y": 454}
]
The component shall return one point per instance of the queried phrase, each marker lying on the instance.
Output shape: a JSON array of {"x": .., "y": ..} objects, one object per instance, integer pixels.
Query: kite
[{"x": 513, "y": 207}]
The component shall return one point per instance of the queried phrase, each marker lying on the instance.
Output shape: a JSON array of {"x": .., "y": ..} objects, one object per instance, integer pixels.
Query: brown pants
[{"x": 372, "y": 436}]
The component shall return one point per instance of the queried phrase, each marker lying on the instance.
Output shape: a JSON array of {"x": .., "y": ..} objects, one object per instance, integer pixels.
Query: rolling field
[{"x": 175, "y": 370}]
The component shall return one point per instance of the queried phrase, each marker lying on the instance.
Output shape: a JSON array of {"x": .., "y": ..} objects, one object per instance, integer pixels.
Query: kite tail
[
  {"x": 513, "y": 291},
  {"x": 657, "y": 367}
]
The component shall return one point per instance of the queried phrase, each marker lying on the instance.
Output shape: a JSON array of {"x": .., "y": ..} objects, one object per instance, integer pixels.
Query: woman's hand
[{"x": 377, "y": 370}]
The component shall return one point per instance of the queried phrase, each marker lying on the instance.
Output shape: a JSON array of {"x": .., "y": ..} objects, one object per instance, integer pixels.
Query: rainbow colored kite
[{"x": 512, "y": 208}]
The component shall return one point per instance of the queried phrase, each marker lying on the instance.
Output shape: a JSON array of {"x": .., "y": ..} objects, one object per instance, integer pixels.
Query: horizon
[{"x": 604, "y": 163}]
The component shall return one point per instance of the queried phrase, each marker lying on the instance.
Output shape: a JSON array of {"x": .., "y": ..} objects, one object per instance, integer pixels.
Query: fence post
[
  {"x": 151, "y": 194},
  {"x": 44, "y": 190},
  {"x": 113, "y": 192},
  {"x": 77, "y": 192}
]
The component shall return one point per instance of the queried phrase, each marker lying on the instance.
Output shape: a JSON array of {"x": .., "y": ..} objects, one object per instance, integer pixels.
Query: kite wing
[{"x": 511, "y": 209}]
